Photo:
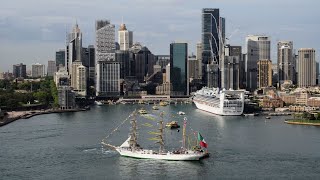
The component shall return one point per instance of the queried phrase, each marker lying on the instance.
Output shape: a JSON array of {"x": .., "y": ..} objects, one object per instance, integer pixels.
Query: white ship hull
[
  {"x": 218, "y": 111},
  {"x": 147, "y": 154}
]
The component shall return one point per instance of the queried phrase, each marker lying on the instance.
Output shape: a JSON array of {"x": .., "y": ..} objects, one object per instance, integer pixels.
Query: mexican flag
[{"x": 202, "y": 141}]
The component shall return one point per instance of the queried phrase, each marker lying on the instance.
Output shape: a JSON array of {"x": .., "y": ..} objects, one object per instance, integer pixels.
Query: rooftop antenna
[{"x": 122, "y": 20}]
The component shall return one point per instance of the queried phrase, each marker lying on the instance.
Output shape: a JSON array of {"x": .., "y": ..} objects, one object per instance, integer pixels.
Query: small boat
[
  {"x": 155, "y": 108},
  {"x": 142, "y": 111},
  {"x": 268, "y": 117},
  {"x": 181, "y": 113},
  {"x": 98, "y": 103},
  {"x": 163, "y": 103},
  {"x": 173, "y": 125}
]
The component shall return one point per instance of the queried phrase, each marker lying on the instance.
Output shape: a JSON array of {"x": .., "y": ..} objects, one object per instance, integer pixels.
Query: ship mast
[
  {"x": 184, "y": 133},
  {"x": 161, "y": 129},
  {"x": 133, "y": 132}
]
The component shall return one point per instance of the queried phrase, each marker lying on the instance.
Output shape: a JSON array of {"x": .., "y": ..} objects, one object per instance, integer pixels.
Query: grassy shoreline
[{"x": 303, "y": 122}]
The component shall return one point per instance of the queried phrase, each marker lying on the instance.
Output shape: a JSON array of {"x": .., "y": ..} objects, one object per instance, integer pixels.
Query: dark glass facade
[
  {"x": 19, "y": 70},
  {"x": 60, "y": 58},
  {"x": 210, "y": 36},
  {"x": 178, "y": 68}
]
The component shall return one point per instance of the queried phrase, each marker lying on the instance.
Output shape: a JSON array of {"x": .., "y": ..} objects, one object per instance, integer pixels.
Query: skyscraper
[
  {"x": 60, "y": 58},
  {"x": 74, "y": 47},
  {"x": 230, "y": 67},
  {"x": 213, "y": 35},
  {"x": 51, "y": 68},
  {"x": 125, "y": 38},
  {"x": 19, "y": 70},
  {"x": 74, "y": 79},
  {"x": 258, "y": 48},
  {"x": 81, "y": 78},
  {"x": 306, "y": 67},
  {"x": 264, "y": 73},
  {"x": 107, "y": 68},
  {"x": 179, "y": 68},
  {"x": 286, "y": 69},
  {"x": 144, "y": 61},
  {"x": 199, "y": 58},
  {"x": 92, "y": 64},
  {"x": 37, "y": 70}
]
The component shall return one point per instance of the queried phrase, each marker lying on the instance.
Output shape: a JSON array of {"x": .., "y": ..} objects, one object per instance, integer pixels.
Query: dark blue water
[{"x": 67, "y": 146}]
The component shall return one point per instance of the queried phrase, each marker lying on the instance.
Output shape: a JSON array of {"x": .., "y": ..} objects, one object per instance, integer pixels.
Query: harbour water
[{"x": 67, "y": 146}]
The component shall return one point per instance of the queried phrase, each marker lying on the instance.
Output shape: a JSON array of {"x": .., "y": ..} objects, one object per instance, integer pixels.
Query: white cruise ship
[{"x": 220, "y": 102}]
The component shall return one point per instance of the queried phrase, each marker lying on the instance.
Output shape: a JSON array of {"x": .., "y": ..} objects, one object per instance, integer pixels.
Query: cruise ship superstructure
[{"x": 220, "y": 102}]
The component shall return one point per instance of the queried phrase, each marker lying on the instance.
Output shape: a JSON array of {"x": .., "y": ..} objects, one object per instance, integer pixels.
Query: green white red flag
[{"x": 203, "y": 143}]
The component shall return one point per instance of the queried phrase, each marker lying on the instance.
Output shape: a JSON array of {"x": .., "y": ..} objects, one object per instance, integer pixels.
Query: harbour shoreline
[
  {"x": 17, "y": 115},
  {"x": 301, "y": 123}
]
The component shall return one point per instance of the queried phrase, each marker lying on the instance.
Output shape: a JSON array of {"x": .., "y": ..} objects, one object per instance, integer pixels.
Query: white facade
[
  {"x": 37, "y": 70},
  {"x": 125, "y": 38},
  {"x": 74, "y": 81},
  {"x": 81, "y": 79},
  {"x": 52, "y": 68},
  {"x": 108, "y": 78},
  {"x": 62, "y": 73}
]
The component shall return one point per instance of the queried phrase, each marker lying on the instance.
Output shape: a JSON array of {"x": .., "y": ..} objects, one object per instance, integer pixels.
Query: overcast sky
[{"x": 31, "y": 31}]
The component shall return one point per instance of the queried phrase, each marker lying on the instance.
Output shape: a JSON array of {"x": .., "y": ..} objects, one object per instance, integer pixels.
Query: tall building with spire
[
  {"x": 73, "y": 47},
  {"x": 125, "y": 38}
]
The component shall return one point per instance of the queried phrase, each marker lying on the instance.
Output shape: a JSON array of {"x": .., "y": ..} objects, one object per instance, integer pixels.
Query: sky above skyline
[{"x": 31, "y": 31}]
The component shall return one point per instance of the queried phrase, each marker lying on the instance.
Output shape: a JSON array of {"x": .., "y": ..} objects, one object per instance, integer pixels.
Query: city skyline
[{"x": 30, "y": 35}]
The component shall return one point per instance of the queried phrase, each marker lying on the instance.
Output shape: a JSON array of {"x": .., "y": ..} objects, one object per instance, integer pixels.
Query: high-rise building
[
  {"x": 258, "y": 48},
  {"x": 193, "y": 68},
  {"x": 74, "y": 79},
  {"x": 126, "y": 63},
  {"x": 37, "y": 70},
  {"x": 81, "y": 78},
  {"x": 107, "y": 68},
  {"x": 51, "y": 68},
  {"x": 61, "y": 77},
  {"x": 199, "y": 58},
  {"x": 179, "y": 68},
  {"x": 317, "y": 73},
  {"x": 60, "y": 58},
  {"x": 230, "y": 67},
  {"x": 213, "y": 38},
  {"x": 66, "y": 97},
  {"x": 125, "y": 38},
  {"x": 92, "y": 64},
  {"x": 162, "y": 60},
  {"x": 144, "y": 62},
  {"x": 74, "y": 47},
  {"x": 264, "y": 73},
  {"x": 19, "y": 70},
  {"x": 306, "y": 67},
  {"x": 285, "y": 61}
]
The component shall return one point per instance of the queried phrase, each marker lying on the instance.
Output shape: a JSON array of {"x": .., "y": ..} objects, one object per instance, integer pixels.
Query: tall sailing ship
[
  {"x": 131, "y": 148},
  {"x": 220, "y": 102}
]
